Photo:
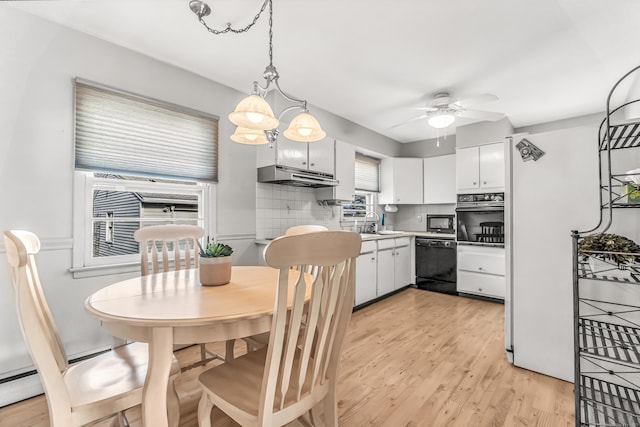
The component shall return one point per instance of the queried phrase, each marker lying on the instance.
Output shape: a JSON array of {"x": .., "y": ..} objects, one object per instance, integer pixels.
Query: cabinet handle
[
  {"x": 480, "y": 268},
  {"x": 484, "y": 182},
  {"x": 480, "y": 289},
  {"x": 373, "y": 258},
  {"x": 474, "y": 183},
  {"x": 313, "y": 164},
  {"x": 304, "y": 163}
]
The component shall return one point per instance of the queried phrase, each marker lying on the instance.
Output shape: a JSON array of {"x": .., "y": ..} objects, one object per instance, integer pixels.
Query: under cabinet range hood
[{"x": 283, "y": 175}]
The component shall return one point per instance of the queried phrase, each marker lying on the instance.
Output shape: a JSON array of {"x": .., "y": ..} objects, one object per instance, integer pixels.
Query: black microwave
[{"x": 440, "y": 224}]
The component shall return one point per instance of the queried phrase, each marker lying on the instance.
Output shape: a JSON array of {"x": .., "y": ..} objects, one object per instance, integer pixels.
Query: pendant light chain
[
  {"x": 270, "y": 31},
  {"x": 229, "y": 28}
]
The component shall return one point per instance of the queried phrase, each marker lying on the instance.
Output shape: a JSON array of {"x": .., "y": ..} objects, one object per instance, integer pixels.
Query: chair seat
[
  {"x": 242, "y": 378},
  {"x": 120, "y": 371}
]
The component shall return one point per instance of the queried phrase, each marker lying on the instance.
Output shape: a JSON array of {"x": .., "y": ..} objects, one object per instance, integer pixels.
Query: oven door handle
[{"x": 481, "y": 209}]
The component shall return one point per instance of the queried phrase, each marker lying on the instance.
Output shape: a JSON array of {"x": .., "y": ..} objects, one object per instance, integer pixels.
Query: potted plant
[
  {"x": 215, "y": 264},
  {"x": 610, "y": 248}
]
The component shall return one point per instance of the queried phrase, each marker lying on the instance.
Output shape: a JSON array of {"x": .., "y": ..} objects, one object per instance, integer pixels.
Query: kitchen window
[
  {"x": 138, "y": 162},
  {"x": 367, "y": 177}
]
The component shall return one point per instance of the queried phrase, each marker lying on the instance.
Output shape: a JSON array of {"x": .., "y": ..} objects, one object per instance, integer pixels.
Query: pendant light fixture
[{"x": 253, "y": 115}]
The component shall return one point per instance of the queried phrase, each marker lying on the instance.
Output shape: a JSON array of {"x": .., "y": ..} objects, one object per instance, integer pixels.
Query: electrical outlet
[
  {"x": 419, "y": 218},
  {"x": 326, "y": 219}
]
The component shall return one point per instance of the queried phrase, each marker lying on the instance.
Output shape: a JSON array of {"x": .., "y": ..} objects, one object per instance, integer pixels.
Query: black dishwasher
[{"x": 436, "y": 265}]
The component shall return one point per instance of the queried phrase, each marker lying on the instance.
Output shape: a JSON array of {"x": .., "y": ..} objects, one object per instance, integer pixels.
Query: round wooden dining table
[{"x": 171, "y": 308}]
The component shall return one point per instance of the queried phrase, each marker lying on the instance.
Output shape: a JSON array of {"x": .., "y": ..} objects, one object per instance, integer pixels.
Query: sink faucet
[{"x": 373, "y": 225}]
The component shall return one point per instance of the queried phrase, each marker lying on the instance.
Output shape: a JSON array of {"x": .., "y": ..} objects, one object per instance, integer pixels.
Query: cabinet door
[
  {"x": 321, "y": 156},
  {"x": 345, "y": 170},
  {"x": 387, "y": 192},
  {"x": 366, "y": 289},
  {"x": 467, "y": 169},
  {"x": 402, "y": 267},
  {"x": 492, "y": 166},
  {"x": 408, "y": 181},
  {"x": 386, "y": 277},
  {"x": 291, "y": 153},
  {"x": 440, "y": 179}
]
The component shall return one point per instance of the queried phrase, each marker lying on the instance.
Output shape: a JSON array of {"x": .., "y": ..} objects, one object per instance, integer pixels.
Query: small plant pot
[{"x": 215, "y": 271}]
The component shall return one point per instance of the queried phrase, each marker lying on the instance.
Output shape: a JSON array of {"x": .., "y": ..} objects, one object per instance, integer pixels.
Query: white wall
[{"x": 39, "y": 63}]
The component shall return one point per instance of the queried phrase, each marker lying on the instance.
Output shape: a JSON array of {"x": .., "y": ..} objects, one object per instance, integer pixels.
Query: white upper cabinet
[
  {"x": 313, "y": 156},
  {"x": 440, "y": 179},
  {"x": 480, "y": 169},
  {"x": 321, "y": 156},
  {"x": 401, "y": 181},
  {"x": 291, "y": 153},
  {"x": 345, "y": 158}
]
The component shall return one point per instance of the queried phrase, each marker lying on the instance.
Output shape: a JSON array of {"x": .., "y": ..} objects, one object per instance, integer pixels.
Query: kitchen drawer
[
  {"x": 386, "y": 244},
  {"x": 368, "y": 246},
  {"x": 402, "y": 241},
  {"x": 491, "y": 262},
  {"x": 481, "y": 284}
]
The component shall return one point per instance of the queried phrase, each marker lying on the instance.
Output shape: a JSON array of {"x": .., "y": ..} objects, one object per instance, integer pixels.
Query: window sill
[{"x": 104, "y": 270}]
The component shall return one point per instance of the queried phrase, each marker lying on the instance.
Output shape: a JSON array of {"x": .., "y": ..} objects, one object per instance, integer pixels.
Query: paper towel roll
[{"x": 390, "y": 208}]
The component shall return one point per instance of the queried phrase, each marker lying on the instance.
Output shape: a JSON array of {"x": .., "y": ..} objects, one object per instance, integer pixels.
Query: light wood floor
[{"x": 415, "y": 359}]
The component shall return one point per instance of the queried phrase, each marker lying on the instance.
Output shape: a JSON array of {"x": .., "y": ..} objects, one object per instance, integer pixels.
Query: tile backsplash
[
  {"x": 279, "y": 207},
  {"x": 414, "y": 217}
]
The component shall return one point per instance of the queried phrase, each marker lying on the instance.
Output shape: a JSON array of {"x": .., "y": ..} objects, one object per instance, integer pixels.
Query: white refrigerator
[{"x": 544, "y": 200}]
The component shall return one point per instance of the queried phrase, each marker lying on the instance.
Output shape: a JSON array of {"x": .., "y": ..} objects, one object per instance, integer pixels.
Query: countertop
[{"x": 388, "y": 236}]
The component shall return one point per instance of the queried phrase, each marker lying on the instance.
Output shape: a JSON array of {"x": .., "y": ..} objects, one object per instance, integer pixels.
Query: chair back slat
[
  {"x": 304, "y": 340},
  {"x": 158, "y": 241}
]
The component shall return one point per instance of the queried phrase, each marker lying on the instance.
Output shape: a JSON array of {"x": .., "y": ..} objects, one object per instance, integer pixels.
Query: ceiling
[{"x": 371, "y": 62}]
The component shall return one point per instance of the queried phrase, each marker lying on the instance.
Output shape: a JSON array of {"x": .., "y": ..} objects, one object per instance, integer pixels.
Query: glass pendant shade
[
  {"x": 304, "y": 128},
  {"x": 441, "y": 121},
  {"x": 253, "y": 112},
  {"x": 249, "y": 136}
]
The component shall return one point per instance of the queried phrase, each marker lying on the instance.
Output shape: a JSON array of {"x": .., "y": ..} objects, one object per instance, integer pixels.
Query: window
[
  {"x": 138, "y": 162},
  {"x": 366, "y": 185},
  {"x": 363, "y": 202},
  {"x": 367, "y": 173}
]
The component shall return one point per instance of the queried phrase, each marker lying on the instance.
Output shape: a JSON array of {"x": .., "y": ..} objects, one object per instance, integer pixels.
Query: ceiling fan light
[
  {"x": 253, "y": 112},
  {"x": 249, "y": 136},
  {"x": 441, "y": 121},
  {"x": 304, "y": 128}
]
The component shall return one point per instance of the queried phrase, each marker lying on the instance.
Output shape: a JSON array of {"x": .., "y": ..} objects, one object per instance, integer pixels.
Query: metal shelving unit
[{"x": 607, "y": 296}]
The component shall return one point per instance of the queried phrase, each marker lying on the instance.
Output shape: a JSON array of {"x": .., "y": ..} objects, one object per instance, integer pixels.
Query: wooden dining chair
[
  {"x": 165, "y": 245},
  {"x": 303, "y": 229},
  {"x": 105, "y": 385},
  {"x": 255, "y": 342},
  {"x": 298, "y": 368}
]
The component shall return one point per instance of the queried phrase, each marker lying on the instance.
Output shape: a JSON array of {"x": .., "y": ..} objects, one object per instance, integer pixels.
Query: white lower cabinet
[
  {"x": 481, "y": 271},
  {"x": 386, "y": 277},
  {"x": 402, "y": 264},
  {"x": 394, "y": 264},
  {"x": 366, "y": 272},
  {"x": 382, "y": 267}
]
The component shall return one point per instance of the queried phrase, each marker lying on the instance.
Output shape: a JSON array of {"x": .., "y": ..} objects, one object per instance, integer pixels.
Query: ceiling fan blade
[
  {"x": 422, "y": 116},
  {"x": 475, "y": 100},
  {"x": 481, "y": 115},
  {"x": 424, "y": 108}
]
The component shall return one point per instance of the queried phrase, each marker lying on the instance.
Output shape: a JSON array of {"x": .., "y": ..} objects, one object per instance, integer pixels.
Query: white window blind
[
  {"x": 367, "y": 173},
  {"x": 120, "y": 132}
]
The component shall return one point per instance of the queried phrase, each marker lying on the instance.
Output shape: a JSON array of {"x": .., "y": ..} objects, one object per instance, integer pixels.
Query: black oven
[{"x": 480, "y": 219}]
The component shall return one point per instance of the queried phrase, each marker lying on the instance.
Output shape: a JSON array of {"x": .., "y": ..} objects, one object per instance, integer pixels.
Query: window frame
[
  {"x": 85, "y": 183},
  {"x": 370, "y": 205}
]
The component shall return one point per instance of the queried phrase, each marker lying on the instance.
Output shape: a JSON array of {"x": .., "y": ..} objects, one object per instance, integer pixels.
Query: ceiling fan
[{"x": 443, "y": 109}]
